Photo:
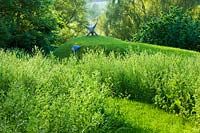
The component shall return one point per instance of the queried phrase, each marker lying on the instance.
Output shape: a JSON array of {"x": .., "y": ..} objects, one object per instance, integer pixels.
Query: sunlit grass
[
  {"x": 46, "y": 94},
  {"x": 146, "y": 118},
  {"x": 117, "y": 45}
]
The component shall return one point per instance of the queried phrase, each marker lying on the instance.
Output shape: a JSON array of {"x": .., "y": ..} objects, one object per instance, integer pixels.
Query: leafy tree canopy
[
  {"x": 26, "y": 23},
  {"x": 175, "y": 28},
  {"x": 71, "y": 16},
  {"x": 124, "y": 18}
]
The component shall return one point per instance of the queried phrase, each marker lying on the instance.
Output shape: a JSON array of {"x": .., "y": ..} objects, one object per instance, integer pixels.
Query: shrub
[{"x": 175, "y": 28}]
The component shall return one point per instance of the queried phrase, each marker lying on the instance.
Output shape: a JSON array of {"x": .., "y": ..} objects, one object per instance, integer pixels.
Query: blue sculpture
[
  {"x": 91, "y": 29},
  {"x": 75, "y": 48}
]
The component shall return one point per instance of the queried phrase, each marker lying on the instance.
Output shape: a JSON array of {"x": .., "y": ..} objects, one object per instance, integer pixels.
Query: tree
[
  {"x": 26, "y": 23},
  {"x": 175, "y": 28},
  {"x": 124, "y": 18},
  {"x": 71, "y": 16}
]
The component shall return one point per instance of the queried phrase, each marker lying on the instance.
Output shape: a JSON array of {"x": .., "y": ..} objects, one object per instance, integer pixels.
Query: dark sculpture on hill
[{"x": 91, "y": 29}]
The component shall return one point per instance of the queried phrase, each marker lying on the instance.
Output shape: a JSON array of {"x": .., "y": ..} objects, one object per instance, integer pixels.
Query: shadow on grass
[
  {"x": 117, "y": 124},
  {"x": 123, "y": 130},
  {"x": 133, "y": 130}
]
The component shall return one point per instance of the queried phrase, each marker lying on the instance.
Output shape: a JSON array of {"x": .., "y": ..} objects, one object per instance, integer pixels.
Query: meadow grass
[
  {"x": 112, "y": 44},
  {"x": 46, "y": 94}
]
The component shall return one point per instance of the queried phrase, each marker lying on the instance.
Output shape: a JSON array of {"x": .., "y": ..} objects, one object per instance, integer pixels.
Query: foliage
[
  {"x": 124, "y": 18},
  {"x": 27, "y": 23},
  {"x": 4, "y": 34},
  {"x": 174, "y": 28},
  {"x": 71, "y": 16}
]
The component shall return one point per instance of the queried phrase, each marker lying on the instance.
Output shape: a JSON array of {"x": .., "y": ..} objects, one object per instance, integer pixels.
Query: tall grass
[
  {"x": 169, "y": 81},
  {"x": 44, "y": 94}
]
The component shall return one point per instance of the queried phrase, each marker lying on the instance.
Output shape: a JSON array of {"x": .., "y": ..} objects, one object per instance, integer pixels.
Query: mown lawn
[{"x": 143, "y": 117}]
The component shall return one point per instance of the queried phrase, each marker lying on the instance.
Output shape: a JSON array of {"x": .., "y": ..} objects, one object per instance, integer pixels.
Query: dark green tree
[
  {"x": 26, "y": 23},
  {"x": 175, "y": 28}
]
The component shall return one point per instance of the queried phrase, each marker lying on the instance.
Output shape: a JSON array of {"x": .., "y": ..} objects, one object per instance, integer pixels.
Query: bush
[{"x": 175, "y": 28}]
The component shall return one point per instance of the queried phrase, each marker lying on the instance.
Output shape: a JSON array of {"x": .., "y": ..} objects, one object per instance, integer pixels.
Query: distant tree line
[
  {"x": 28, "y": 23},
  {"x": 154, "y": 21}
]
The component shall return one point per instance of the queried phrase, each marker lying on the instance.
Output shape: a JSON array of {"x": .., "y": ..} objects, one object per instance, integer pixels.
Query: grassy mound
[{"x": 113, "y": 44}]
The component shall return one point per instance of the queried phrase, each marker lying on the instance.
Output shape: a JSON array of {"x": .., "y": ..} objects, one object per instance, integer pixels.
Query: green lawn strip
[
  {"x": 113, "y": 44},
  {"x": 147, "y": 118}
]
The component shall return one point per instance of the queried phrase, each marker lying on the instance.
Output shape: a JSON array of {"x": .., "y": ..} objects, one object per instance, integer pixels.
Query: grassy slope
[{"x": 113, "y": 44}]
